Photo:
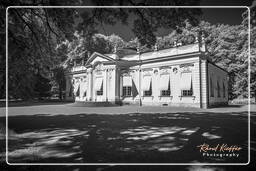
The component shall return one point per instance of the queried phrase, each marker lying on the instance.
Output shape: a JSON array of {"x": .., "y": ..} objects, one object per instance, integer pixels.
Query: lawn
[{"x": 170, "y": 136}]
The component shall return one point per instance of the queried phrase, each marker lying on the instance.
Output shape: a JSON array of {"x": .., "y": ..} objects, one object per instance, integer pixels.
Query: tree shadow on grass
[
  {"x": 130, "y": 138},
  {"x": 34, "y": 103}
]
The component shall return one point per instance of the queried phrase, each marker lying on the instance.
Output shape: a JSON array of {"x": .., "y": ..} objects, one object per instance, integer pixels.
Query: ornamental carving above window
[
  {"x": 98, "y": 66},
  {"x": 187, "y": 69},
  {"x": 126, "y": 74},
  {"x": 155, "y": 71},
  {"x": 164, "y": 71},
  {"x": 175, "y": 70},
  {"x": 98, "y": 72},
  {"x": 147, "y": 73},
  {"x": 186, "y": 65}
]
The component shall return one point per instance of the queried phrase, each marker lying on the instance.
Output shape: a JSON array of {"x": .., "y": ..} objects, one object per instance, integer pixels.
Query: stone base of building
[
  {"x": 96, "y": 104},
  {"x": 218, "y": 104},
  {"x": 137, "y": 103}
]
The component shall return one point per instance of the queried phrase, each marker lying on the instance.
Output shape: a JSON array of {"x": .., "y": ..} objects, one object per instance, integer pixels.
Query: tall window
[
  {"x": 147, "y": 86},
  {"x": 164, "y": 85},
  {"x": 186, "y": 86},
  {"x": 218, "y": 88},
  {"x": 148, "y": 92},
  {"x": 99, "y": 86},
  {"x": 100, "y": 92},
  {"x": 166, "y": 92},
  {"x": 127, "y": 91},
  {"x": 127, "y": 85},
  {"x": 224, "y": 90},
  {"x": 211, "y": 88}
]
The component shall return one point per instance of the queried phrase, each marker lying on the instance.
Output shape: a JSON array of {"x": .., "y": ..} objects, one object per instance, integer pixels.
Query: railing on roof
[{"x": 78, "y": 68}]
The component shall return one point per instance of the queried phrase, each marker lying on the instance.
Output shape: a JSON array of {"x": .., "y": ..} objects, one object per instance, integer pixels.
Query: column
[
  {"x": 204, "y": 84},
  {"x": 90, "y": 85},
  {"x": 104, "y": 85}
]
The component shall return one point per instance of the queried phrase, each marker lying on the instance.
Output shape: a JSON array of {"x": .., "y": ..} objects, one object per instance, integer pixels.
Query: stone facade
[{"x": 178, "y": 76}]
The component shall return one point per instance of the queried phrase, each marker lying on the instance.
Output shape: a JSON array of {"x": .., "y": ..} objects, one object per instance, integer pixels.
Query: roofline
[
  {"x": 172, "y": 57},
  {"x": 168, "y": 48}
]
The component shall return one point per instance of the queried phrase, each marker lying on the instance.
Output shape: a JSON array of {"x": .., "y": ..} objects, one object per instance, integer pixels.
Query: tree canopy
[
  {"x": 39, "y": 39},
  {"x": 33, "y": 34}
]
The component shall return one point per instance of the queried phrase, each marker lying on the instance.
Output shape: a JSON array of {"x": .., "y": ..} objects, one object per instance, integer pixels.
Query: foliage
[
  {"x": 42, "y": 87},
  {"x": 146, "y": 21},
  {"x": 253, "y": 47},
  {"x": 80, "y": 47},
  {"x": 32, "y": 36},
  {"x": 59, "y": 79},
  {"x": 227, "y": 46}
]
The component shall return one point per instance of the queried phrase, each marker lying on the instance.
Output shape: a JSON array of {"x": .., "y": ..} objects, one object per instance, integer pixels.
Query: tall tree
[
  {"x": 33, "y": 33},
  {"x": 32, "y": 36},
  {"x": 59, "y": 79},
  {"x": 253, "y": 47},
  {"x": 146, "y": 21}
]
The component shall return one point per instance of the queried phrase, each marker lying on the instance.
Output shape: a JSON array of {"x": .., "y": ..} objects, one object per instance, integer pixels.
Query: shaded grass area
[
  {"x": 34, "y": 102},
  {"x": 130, "y": 138}
]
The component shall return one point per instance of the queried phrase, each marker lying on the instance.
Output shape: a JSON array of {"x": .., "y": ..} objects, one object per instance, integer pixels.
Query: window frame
[
  {"x": 166, "y": 93},
  {"x": 187, "y": 93},
  {"x": 127, "y": 91},
  {"x": 100, "y": 92},
  {"x": 148, "y": 93}
]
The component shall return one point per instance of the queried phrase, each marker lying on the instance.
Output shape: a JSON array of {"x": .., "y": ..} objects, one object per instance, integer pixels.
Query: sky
[{"x": 223, "y": 15}]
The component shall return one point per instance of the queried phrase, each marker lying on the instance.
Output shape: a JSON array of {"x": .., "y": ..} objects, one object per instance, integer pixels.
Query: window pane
[
  {"x": 127, "y": 91},
  {"x": 187, "y": 92}
]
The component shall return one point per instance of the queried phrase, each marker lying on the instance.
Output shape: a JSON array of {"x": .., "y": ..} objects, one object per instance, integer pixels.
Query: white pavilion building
[{"x": 178, "y": 76}]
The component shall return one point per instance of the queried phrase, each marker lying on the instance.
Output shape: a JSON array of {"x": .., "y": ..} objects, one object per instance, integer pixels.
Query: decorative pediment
[
  {"x": 96, "y": 57},
  {"x": 98, "y": 66}
]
